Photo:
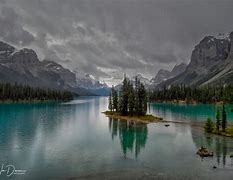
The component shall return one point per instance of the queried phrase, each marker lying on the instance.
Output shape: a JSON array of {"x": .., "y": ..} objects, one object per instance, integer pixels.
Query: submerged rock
[{"x": 204, "y": 152}]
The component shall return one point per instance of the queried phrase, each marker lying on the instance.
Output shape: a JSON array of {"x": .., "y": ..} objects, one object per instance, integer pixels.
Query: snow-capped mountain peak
[
  {"x": 142, "y": 79},
  {"x": 88, "y": 81}
]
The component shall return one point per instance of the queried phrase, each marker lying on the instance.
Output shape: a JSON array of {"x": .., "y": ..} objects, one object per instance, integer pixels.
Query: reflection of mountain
[
  {"x": 219, "y": 145},
  {"x": 132, "y": 136}
]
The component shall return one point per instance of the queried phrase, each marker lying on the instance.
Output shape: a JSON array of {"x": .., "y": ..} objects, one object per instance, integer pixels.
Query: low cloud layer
[{"x": 108, "y": 38}]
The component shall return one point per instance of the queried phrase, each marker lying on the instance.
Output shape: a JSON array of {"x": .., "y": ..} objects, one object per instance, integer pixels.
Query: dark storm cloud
[
  {"x": 11, "y": 30},
  {"x": 107, "y": 38}
]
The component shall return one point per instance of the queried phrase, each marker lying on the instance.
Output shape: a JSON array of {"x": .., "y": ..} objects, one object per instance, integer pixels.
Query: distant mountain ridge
[
  {"x": 164, "y": 75},
  {"x": 161, "y": 76},
  {"x": 23, "y": 66},
  {"x": 92, "y": 85}
]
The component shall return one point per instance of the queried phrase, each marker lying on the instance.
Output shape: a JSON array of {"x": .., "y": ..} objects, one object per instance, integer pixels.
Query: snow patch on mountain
[{"x": 88, "y": 81}]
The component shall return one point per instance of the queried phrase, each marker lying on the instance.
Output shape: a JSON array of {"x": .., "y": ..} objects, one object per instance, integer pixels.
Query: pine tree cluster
[
  {"x": 131, "y": 100},
  {"x": 9, "y": 92},
  {"x": 206, "y": 94},
  {"x": 219, "y": 123}
]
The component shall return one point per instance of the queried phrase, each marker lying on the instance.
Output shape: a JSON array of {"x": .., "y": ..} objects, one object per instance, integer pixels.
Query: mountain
[
  {"x": 23, "y": 66},
  {"x": 224, "y": 74},
  {"x": 164, "y": 75},
  {"x": 211, "y": 63},
  {"x": 142, "y": 79},
  {"x": 147, "y": 83},
  {"x": 92, "y": 85}
]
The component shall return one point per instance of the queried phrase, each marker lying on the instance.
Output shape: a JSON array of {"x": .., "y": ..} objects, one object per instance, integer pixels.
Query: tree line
[
  {"x": 220, "y": 124},
  {"x": 205, "y": 94},
  {"x": 9, "y": 92},
  {"x": 130, "y": 100}
]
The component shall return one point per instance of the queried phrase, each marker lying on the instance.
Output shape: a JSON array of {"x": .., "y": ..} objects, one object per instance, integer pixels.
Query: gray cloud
[
  {"x": 107, "y": 38},
  {"x": 11, "y": 30}
]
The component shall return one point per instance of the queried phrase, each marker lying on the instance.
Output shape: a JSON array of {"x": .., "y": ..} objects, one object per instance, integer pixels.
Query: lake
[{"x": 75, "y": 140}]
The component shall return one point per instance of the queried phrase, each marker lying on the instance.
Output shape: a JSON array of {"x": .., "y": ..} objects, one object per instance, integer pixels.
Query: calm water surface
[{"x": 76, "y": 141}]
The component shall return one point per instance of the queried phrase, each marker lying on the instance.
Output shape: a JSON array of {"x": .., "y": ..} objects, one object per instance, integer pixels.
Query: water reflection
[
  {"x": 219, "y": 145},
  {"x": 132, "y": 135},
  {"x": 195, "y": 113}
]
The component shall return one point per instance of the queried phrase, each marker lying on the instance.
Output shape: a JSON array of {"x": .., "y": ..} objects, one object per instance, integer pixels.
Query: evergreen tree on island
[
  {"x": 224, "y": 119},
  {"x": 131, "y": 100}
]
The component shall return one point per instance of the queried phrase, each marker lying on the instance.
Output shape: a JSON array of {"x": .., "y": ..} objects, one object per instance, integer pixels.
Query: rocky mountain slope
[
  {"x": 211, "y": 63},
  {"x": 164, "y": 75},
  {"x": 23, "y": 66}
]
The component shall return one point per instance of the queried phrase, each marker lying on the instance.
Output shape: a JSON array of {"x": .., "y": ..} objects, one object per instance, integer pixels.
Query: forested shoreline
[
  {"x": 187, "y": 94},
  {"x": 19, "y": 93}
]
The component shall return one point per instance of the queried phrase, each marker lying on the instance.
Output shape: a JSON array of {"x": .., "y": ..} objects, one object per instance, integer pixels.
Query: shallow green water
[{"x": 76, "y": 141}]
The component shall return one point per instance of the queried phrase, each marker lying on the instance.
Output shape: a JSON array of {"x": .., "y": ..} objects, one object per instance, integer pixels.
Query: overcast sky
[{"x": 107, "y": 38}]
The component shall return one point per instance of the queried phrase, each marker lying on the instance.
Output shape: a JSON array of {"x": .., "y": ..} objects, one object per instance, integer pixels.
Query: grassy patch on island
[
  {"x": 148, "y": 118},
  {"x": 228, "y": 132}
]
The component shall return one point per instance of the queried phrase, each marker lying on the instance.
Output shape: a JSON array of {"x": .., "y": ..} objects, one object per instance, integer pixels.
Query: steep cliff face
[
  {"x": 231, "y": 47},
  {"x": 210, "y": 61},
  {"x": 225, "y": 70},
  {"x": 208, "y": 53}
]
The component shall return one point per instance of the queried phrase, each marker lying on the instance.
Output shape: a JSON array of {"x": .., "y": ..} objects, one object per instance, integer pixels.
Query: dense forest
[
  {"x": 9, "y": 92},
  {"x": 131, "y": 100},
  {"x": 205, "y": 94}
]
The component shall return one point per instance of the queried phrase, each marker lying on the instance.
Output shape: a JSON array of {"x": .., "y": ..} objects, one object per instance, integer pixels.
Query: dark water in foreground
[{"x": 76, "y": 141}]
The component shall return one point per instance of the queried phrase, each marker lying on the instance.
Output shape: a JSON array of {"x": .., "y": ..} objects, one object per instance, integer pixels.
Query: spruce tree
[
  {"x": 218, "y": 121},
  {"x": 224, "y": 119},
  {"x": 124, "y": 97},
  {"x": 114, "y": 100},
  {"x": 110, "y": 106},
  {"x": 131, "y": 100},
  {"x": 209, "y": 125},
  {"x": 136, "y": 93}
]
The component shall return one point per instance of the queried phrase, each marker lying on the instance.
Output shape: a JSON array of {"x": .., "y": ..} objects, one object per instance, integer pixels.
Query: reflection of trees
[
  {"x": 224, "y": 151},
  {"x": 132, "y": 136},
  {"x": 216, "y": 144},
  {"x": 218, "y": 149}
]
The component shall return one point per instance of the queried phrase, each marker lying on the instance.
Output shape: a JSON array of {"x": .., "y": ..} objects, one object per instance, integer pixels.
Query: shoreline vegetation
[
  {"x": 183, "y": 94},
  {"x": 219, "y": 127},
  {"x": 25, "y": 94},
  {"x": 228, "y": 132},
  {"x": 34, "y": 101},
  {"x": 185, "y": 102},
  {"x": 148, "y": 118}
]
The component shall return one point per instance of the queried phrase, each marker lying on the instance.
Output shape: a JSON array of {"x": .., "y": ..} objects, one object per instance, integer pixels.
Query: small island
[
  {"x": 130, "y": 103},
  {"x": 148, "y": 118}
]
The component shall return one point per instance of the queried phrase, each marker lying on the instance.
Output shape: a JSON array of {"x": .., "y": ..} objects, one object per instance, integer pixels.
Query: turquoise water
[
  {"x": 76, "y": 141},
  {"x": 194, "y": 113}
]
